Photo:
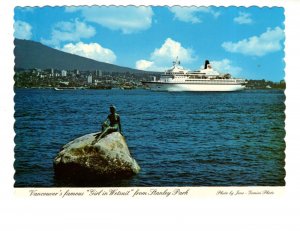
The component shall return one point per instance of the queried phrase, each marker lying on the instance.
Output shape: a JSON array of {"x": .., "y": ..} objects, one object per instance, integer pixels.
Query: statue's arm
[{"x": 106, "y": 122}]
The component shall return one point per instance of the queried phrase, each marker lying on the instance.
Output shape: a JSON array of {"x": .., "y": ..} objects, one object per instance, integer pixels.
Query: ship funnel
[{"x": 206, "y": 64}]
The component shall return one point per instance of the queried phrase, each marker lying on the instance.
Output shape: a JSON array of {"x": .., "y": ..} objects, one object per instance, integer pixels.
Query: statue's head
[{"x": 112, "y": 109}]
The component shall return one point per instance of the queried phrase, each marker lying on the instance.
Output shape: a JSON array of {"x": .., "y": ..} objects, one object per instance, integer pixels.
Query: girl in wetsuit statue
[{"x": 111, "y": 124}]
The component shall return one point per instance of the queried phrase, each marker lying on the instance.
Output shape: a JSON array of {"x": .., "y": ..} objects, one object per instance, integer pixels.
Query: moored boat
[{"x": 68, "y": 88}]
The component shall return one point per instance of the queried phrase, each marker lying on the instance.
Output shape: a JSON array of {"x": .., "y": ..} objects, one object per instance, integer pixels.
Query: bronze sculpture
[{"x": 111, "y": 124}]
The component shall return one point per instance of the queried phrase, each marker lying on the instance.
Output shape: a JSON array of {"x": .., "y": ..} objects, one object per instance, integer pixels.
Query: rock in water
[{"x": 109, "y": 158}]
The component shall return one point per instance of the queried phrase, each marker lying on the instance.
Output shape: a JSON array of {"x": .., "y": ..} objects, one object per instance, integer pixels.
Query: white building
[
  {"x": 90, "y": 79},
  {"x": 98, "y": 73},
  {"x": 96, "y": 82},
  {"x": 64, "y": 83},
  {"x": 63, "y": 73}
]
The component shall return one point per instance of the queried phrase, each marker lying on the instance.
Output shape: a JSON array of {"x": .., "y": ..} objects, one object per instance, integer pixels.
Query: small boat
[{"x": 65, "y": 88}]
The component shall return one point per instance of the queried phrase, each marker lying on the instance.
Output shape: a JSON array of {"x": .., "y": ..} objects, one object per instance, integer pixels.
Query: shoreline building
[
  {"x": 98, "y": 73},
  {"x": 90, "y": 79},
  {"x": 63, "y": 73}
]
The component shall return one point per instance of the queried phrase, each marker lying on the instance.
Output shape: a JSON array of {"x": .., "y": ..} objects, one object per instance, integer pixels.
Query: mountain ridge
[{"x": 30, "y": 54}]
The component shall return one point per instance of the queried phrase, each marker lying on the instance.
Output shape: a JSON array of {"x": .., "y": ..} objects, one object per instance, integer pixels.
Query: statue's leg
[
  {"x": 100, "y": 135},
  {"x": 103, "y": 128},
  {"x": 104, "y": 133}
]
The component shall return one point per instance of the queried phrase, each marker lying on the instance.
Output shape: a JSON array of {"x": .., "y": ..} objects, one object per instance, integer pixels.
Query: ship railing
[{"x": 216, "y": 81}]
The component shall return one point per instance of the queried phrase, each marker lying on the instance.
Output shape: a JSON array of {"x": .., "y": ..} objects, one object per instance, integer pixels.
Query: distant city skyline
[{"x": 246, "y": 42}]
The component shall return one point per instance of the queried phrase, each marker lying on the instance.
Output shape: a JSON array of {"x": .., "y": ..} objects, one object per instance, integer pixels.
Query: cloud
[
  {"x": 143, "y": 64},
  {"x": 22, "y": 30},
  {"x": 243, "y": 18},
  {"x": 261, "y": 45},
  {"x": 186, "y": 14},
  {"x": 69, "y": 32},
  {"x": 170, "y": 50},
  {"x": 26, "y": 9},
  {"x": 226, "y": 66},
  {"x": 92, "y": 50},
  {"x": 162, "y": 57},
  {"x": 191, "y": 14},
  {"x": 129, "y": 19},
  {"x": 71, "y": 9}
]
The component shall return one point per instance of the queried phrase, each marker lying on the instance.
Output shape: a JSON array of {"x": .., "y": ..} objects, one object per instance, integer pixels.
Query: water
[{"x": 178, "y": 139}]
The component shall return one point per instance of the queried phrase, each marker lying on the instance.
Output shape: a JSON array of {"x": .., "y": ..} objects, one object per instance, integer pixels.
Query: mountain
[{"x": 30, "y": 54}]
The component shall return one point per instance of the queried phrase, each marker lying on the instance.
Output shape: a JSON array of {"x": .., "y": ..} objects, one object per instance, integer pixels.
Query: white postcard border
[{"x": 265, "y": 213}]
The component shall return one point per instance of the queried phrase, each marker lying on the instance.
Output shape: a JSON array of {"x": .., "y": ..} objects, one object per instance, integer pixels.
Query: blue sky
[{"x": 246, "y": 42}]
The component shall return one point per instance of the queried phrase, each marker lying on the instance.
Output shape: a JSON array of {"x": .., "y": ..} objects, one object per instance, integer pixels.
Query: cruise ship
[{"x": 179, "y": 79}]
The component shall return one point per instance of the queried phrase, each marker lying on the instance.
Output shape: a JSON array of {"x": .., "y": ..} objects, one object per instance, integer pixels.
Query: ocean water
[{"x": 178, "y": 139}]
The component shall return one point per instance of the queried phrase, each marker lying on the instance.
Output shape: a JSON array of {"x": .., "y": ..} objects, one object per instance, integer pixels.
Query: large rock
[{"x": 109, "y": 158}]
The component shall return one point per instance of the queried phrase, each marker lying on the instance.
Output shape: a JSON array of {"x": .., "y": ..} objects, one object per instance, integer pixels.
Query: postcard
[{"x": 151, "y": 102}]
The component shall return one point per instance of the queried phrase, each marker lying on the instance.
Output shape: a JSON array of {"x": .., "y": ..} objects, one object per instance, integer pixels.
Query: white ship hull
[
  {"x": 207, "y": 79},
  {"x": 156, "y": 86}
]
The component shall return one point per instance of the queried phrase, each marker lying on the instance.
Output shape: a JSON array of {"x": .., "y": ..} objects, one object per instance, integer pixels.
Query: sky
[{"x": 245, "y": 42}]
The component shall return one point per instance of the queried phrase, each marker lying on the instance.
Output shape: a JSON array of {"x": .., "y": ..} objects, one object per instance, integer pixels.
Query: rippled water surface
[{"x": 178, "y": 139}]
